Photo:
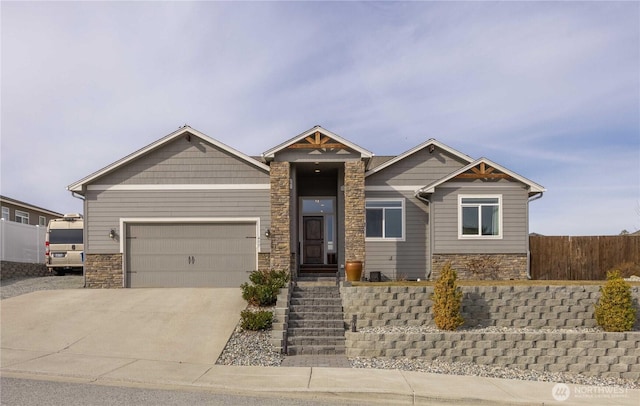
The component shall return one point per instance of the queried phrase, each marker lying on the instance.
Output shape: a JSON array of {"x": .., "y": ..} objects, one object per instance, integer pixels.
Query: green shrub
[
  {"x": 265, "y": 287},
  {"x": 447, "y": 300},
  {"x": 614, "y": 310},
  {"x": 259, "y": 320}
]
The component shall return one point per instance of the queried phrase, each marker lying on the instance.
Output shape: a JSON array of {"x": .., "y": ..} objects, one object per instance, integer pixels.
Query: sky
[{"x": 550, "y": 90}]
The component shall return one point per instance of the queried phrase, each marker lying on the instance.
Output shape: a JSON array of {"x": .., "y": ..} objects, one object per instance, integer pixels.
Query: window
[
  {"x": 5, "y": 213},
  {"x": 385, "y": 219},
  {"x": 42, "y": 220},
  {"x": 68, "y": 236},
  {"x": 22, "y": 217},
  {"x": 480, "y": 217}
]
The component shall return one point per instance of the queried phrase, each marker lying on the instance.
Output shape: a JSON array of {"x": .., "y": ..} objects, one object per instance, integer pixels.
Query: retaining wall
[
  {"x": 9, "y": 269},
  {"x": 533, "y": 307}
]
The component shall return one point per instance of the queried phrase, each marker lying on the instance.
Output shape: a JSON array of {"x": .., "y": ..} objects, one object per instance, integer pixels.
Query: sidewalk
[{"x": 372, "y": 386}]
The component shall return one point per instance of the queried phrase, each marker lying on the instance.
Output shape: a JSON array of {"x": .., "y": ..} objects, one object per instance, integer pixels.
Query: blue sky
[{"x": 551, "y": 90}]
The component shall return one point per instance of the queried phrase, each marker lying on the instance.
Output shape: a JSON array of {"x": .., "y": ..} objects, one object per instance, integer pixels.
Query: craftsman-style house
[{"x": 188, "y": 210}]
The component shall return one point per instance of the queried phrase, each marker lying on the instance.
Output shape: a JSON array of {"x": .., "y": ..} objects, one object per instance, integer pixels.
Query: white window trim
[
  {"x": 21, "y": 214},
  {"x": 480, "y": 237},
  {"x": 7, "y": 212},
  {"x": 42, "y": 221},
  {"x": 404, "y": 213}
]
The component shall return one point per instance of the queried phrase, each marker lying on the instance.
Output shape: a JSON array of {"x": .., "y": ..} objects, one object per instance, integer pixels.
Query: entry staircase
[{"x": 316, "y": 322}]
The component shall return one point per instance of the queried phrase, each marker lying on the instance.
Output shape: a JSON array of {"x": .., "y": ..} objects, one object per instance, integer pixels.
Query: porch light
[
  {"x": 112, "y": 234},
  {"x": 267, "y": 233}
]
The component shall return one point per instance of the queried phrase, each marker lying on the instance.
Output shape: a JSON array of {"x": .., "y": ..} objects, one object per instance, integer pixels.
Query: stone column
[
  {"x": 280, "y": 217},
  {"x": 354, "y": 215}
]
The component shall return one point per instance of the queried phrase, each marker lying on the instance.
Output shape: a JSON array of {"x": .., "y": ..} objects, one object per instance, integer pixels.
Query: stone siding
[
  {"x": 280, "y": 216},
  {"x": 103, "y": 271},
  {"x": 264, "y": 261},
  {"x": 354, "y": 210},
  {"x": 534, "y": 307},
  {"x": 488, "y": 266},
  {"x": 9, "y": 270}
]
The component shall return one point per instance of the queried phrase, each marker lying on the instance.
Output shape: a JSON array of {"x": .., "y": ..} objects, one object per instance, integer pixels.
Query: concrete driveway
[{"x": 175, "y": 325}]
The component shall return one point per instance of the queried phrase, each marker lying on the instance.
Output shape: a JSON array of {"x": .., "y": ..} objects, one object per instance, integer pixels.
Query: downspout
[
  {"x": 531, "y": 199},
  {"x": 84, "y": 275},
  {"x": 424, "y": 199}
]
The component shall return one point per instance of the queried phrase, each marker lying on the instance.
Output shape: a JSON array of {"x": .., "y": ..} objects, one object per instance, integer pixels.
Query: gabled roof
[
  {"x": 270, "y": 154},
  {"x": 182, "y": 131},
  {"x": 534, "y": 188},
  {"x": 430, "y": 142},
  {"x": 29, "y": 206}
]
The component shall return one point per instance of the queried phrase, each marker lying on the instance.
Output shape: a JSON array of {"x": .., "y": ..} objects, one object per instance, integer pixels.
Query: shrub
[
  {"x": 614, "y": 310},
  {"x": 628, "y": 269},
  {"x": 258, "y": 320},
  {"x": 447, "y": 300},
  {"x": 265, "y": 288}
]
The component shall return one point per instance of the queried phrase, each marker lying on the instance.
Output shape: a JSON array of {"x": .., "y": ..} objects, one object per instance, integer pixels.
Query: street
[{"x": 26, "y": 392}]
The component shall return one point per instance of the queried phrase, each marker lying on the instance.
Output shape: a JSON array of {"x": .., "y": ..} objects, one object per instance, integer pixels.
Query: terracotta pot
[{"x": 353, "y": 270}]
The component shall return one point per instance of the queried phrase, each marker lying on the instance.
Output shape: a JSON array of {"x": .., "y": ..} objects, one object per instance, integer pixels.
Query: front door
[{"x": 313, "y": 243}]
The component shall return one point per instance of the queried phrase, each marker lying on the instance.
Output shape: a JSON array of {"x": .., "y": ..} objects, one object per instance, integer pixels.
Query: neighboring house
[
  {"x": 25, "y": 213},
  {"x": 22, "y": 238},
  {"x": 188, "y": 210}
]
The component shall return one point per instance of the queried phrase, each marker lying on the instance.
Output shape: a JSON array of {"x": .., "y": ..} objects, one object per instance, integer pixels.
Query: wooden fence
[{"x": 582, "y": 258}]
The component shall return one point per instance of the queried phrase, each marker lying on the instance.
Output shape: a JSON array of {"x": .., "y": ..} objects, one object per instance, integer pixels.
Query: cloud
[{"x": 550, "y": 90}]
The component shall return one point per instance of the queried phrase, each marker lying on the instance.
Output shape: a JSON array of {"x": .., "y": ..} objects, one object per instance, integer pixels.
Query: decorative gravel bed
[
  {"x": 20, "y": 286},
  {"x": 253, "y": 349}
]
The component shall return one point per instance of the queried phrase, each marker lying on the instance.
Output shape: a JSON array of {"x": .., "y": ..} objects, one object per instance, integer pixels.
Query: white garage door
[{"x": 189, "y": 254}]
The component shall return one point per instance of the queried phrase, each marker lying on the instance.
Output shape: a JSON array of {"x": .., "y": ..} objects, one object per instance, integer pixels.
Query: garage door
[{"x": 190, "y": 254}]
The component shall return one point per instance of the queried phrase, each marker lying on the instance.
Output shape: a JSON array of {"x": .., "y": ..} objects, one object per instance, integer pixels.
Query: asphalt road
[{"x": 26, "y": 392}]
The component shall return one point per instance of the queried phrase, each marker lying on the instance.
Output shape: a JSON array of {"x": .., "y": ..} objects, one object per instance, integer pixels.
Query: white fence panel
[{"x": 22, "y": 242}]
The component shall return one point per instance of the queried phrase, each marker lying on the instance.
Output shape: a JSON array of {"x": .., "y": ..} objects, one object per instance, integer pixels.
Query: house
[
  {"x": 188, "y": 210},
  {"x": 22, "y": 238},
  {"x": 25, "y": 213}
]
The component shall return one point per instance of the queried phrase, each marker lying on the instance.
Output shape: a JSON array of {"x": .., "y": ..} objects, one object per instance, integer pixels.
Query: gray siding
[
  {"x": 420, "y": 168},
  {"x": 514, "y": 215},
  {"x": 104, "y": 209},
  {"x": 184, "y": 162},
  {"x": 409, "y": 258}
]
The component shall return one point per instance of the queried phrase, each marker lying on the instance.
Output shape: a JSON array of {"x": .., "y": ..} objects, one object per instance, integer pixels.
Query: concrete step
[
  {"x": 315, "y": 309},
  {"x": 312, "y": 294},
  {"x": 315, "y": 325},
  {"x": 315, "y": 350},
  {"x": 317, "y": 332},
  {"x": 314, "y": 316},
  {"x": 315, "y": 341},
  {"x": 296, "y": 324},
  {"x": 316, "y": 301}
]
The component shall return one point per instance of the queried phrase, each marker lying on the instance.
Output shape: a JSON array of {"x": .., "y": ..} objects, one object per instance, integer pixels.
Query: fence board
[
  {"x": 22, "y": 242},
  {"x": 581, "y": 258}
]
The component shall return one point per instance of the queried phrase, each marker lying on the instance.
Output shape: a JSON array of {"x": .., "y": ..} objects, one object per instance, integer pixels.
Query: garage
[{"x": 198, "y": 254}]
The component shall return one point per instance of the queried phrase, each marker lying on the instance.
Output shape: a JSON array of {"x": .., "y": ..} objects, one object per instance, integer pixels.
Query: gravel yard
[{"x": 20, "y": 286}]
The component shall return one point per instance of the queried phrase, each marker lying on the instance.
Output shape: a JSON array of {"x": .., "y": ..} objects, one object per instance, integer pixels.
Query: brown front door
[{"x": 313, "y": 240}]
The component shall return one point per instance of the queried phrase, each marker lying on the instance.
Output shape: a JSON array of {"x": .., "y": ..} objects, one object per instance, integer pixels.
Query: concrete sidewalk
[
  {"x": 171, "y": 338},
  {"x": 371, "y": 386}
]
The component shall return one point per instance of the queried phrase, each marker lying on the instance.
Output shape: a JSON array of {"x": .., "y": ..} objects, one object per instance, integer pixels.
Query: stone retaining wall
[
  {"x": 482, "y": 306},
  {"x": 533, "y": 307},
  {"x": 10, "y": 270},
  {"x": 614, "y": 355}
]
